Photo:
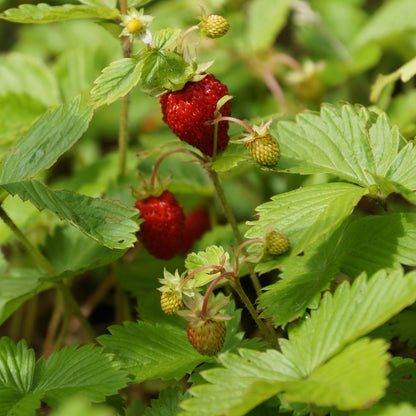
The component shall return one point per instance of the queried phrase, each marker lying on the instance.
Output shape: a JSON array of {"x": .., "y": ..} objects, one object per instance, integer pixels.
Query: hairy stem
[
  {"x": 169, "y": 152},
  {"x": 231, "y": 219},
  {"x": 267, "y": 333},
  {"x": 210, "y": 289},
  {"x": 234, "y": 120},
  {"x": 125, "y": 103},
  {"x": 275, "y": 89}
]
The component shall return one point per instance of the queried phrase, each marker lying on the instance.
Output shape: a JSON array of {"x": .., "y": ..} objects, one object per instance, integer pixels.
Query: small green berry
[
  {"x": 276, "y": 243},
  {"x": 265, "y": 150},
  {"x": 215, "y": 26}
]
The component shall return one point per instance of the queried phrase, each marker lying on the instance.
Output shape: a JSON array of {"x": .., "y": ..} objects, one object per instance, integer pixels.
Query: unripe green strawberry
[
  {"x": 171, "y": 303},
  {"x": 215, "y": 26},
  {"x": 265, "y": 150},
  {"x": 276, "y": 243},
  {"x": 207, "y": 337}
]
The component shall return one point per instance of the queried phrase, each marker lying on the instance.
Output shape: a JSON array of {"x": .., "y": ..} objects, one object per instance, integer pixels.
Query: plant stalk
[
  {"x": 125, "y": 103},
  {"x": 231, "y": 219},
  {"x": 268, "y": 335},
  {"x": 49, "y": 269}
]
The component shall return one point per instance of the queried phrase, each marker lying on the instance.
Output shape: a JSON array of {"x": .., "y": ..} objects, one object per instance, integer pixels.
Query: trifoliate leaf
[
  {"x": 116, "y": 81},
  {"x": 212, "y": 255},
  {"x": 353, "y": 311},
  {"x": 345, "y": 141},
  {"x": 304, "y": 215},
  {"x": 247, "y": 380},
  {"x": 339, "y": 383},
  {"x": 369, "y": 243},
  {"x": 108, "y": 222},
  {"x": 44, "y": 13},
  {"x": 152, "y": 351},
  {"x": 49, "y": 137},
  {"x": 315, "y": 365},
  {"x": 85, "y": 370}
]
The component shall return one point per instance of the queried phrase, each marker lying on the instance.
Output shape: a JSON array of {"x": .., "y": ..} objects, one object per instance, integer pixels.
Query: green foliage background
[{"x": 337, "y": 78}]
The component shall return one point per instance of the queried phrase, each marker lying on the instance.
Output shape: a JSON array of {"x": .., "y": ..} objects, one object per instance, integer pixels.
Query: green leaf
[
  {"x": 404, "y": 73},
  {"x": 303, "y": 278},
  {"x": 383, "y": 27},
  {"x": 166, "y": 404},
  {"x": 17, "y": 364},
  {"x": 44, "y": 13},
  {"x": 403, "y": 168},
  {"x": 212, "y": 255},
  {"x": 342, "y": 140},
  {"x": 53, "y": 134},
  {"x": 72, "y": 253},
  {"x": 401, "y": 326},
  {"x": 27, "y": 75},
  {"x": 353, "y": 311},
  {"x": 16, "y": 287},
  {"x": 85, "y": 370},
  {"x": 116, "y": 81},
  {"x": 164, "y": 70},
  {"x": 266, "y": 18},
  {"x": 152, "y": 351},
  {"x": 402, "y": 409},
  {"x": 232, "y": 156},
  {"x": 246, "y": 381},
  {"x": 377, "y": 242},
  {"x": 304, "y": 215},
  {"x": 338, "y": 383},
  {"x": 165, "y": 37},
  {"x": 367, "y": 244},
  {"x": 106, "y": 221},
  {"x": 18, "y": 111},
  {"x": 78, "y": 405},
  {"x": 315, "y": 365},
  {"x": 111, "y": 4},
  {"x": 402, "y": 387}
]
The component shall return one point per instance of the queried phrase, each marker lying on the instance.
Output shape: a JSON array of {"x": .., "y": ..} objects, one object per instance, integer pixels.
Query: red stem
[
  {"x": 210, "y": 266},
  {"x": 235, "y": 120},
  {"x": 169, "y": 152},
  {"x": 246, "y": 243},
  {"x": 210, "y": 289}
]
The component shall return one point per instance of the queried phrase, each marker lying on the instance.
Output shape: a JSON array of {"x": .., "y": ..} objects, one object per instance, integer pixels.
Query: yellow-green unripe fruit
[
  {"x": 215, "y": 26},
  {"x": 170, "y": 303},
  {"x": 265, "y": 150},
  {"x": 276, "y": 243}
]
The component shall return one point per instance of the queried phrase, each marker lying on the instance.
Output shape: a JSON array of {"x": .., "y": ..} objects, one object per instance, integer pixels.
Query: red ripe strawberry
[
  {"x": 197, "y": 222},
  {"x": 188, "y": 110},
  {"x": 162, "y": 230}
]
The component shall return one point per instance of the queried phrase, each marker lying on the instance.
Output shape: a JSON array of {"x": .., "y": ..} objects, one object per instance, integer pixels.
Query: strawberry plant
[{"x": 207, "y": 208}]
